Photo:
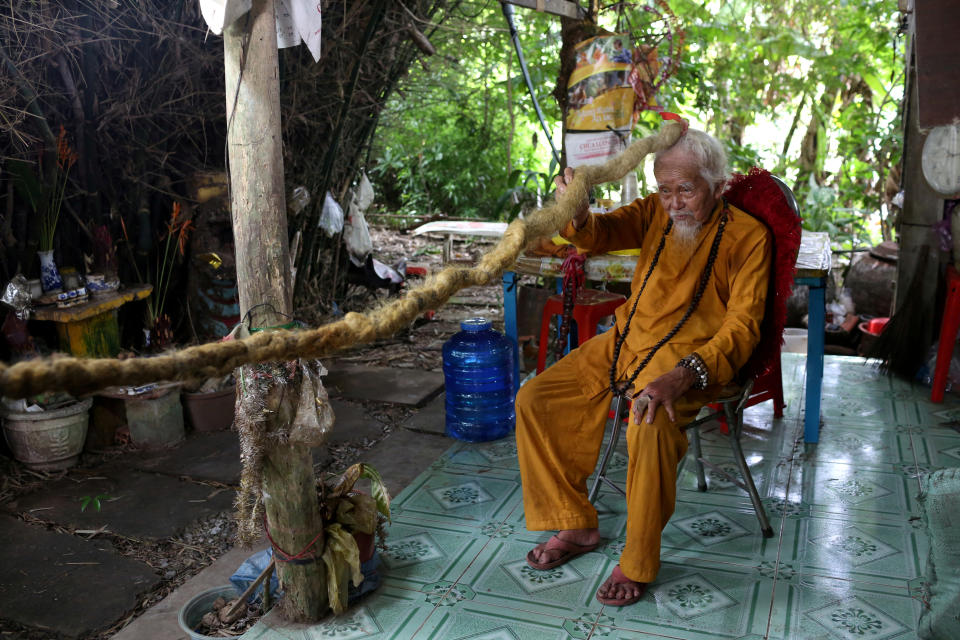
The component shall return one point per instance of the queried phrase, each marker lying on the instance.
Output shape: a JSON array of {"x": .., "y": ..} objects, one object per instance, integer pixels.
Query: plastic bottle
[{"x": 478, "y": 372}]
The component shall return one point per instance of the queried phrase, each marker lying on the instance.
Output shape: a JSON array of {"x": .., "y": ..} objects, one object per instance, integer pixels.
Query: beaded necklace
[{"x": 701, "y": 287}]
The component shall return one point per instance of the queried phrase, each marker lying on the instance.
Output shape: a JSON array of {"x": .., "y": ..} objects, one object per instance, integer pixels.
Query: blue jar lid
[{"x": 476, "y": 324}]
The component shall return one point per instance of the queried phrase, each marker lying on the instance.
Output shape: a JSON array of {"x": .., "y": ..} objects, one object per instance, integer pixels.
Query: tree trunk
[{"x": 263, "y": 278}]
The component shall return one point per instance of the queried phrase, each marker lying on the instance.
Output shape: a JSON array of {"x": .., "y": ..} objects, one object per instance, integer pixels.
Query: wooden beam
[{"x": 564, "y": 8}]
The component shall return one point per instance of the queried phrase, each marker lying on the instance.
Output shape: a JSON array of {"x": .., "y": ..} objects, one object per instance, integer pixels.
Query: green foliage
[
  {"x": 441, "y": 145},
  {"x": 821, "y": 213},
  {"x": 809, "y": 89},
  {"x": 526, "y": 190},
  {"x": 765, "y": 74}
]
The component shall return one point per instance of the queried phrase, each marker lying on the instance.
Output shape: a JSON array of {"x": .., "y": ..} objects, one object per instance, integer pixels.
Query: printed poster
[{"x": 602, "y": 97}]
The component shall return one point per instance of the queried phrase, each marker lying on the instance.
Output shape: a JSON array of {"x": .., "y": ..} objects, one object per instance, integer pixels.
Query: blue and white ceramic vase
[{"x": 50, "y": 278}]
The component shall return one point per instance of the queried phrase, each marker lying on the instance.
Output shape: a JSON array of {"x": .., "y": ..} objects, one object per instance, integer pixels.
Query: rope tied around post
[{"x": 305, "y": 556}]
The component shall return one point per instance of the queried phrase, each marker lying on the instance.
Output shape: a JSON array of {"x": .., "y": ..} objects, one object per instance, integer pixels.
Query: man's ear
[{"x": 718, "y": 191}]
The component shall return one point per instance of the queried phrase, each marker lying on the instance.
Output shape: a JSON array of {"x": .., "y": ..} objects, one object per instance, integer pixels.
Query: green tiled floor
[{"x": 846, "y": 561}]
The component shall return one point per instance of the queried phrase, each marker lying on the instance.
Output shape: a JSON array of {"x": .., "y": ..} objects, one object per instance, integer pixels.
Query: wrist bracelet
[{"x": 695, "y": 363}]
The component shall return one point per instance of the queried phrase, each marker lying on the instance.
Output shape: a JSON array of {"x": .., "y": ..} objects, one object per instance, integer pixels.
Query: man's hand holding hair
[{"x": 583, "y": 208}]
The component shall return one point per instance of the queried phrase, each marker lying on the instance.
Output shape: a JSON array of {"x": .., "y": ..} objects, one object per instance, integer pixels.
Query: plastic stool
[
  {"x": 589, "y": 308},
  {"x": 948, "y": 334}
]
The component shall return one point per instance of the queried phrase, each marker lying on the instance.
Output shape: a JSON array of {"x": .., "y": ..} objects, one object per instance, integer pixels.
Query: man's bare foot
[
  {"x": 563, "y": 546},
  {"x": 619, "y": 590}
]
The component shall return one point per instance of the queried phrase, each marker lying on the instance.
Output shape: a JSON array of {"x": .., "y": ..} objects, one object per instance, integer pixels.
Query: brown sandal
[
  {"x": 617, "y": 577},
  {"x": 570, "y": 551}
]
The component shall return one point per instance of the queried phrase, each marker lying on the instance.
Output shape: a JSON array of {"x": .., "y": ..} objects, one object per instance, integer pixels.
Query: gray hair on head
[{"x": 708, "y": 153}]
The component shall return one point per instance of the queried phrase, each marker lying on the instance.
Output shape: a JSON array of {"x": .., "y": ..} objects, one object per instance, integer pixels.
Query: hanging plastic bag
[
  {"x": 331, "y": 218},
  {"x": 356, "y": 233},
  {"x": 364, "y": 193}
]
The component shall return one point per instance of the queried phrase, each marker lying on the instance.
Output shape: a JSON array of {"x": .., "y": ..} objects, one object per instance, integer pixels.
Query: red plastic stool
[
  {"x": 589, "y": 308},
  {"x": 948, "y": 334}
]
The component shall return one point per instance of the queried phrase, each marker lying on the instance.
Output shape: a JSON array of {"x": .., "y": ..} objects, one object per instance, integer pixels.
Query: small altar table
[{"x": 90, "y": 330}]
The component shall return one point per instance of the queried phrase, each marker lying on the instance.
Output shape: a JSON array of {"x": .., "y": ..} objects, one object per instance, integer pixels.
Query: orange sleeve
[
  {"x": 622, "y": 228},
  {"x": 739, "y": 334}
]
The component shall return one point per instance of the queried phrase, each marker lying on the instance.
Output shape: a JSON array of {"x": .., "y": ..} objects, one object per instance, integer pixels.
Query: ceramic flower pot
[
  {"x": 155, "y": 418},
  {"x": 211, "y": 411},
  {"x": 47, "y": 440},
  {"x": 50, "y": 278}
]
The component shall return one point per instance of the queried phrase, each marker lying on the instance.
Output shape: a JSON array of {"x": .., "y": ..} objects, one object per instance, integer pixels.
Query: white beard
[{"x": 685, "y": 234}]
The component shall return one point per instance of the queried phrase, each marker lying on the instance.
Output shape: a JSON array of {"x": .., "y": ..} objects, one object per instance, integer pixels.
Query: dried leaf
[{"x": 342, "y": 559}]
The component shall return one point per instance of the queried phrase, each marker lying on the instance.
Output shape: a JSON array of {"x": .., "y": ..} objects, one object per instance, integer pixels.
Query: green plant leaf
[{"x": 378, "y": 490}]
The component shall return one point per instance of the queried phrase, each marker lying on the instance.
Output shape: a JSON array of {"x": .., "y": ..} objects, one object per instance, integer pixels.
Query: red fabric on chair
[
  {"x": 761, "y": 196},
  {"x": 758, "y": 194}
]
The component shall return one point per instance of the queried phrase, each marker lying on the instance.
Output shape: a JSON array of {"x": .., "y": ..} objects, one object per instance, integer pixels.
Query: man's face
[{"x": 685, "y": 194}]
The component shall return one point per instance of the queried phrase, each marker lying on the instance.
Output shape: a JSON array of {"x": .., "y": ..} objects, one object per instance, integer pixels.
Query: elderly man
[{"x": 691, "y": 322}]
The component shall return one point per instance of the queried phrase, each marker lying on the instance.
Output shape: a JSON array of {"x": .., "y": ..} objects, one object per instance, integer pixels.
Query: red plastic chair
[
  {"x": 948, "y": 334},
  {"x": 590, "y": 307}
]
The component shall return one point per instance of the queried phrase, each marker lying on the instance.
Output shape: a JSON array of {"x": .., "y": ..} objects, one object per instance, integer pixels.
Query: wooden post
[
  {"x": 922, "y": 208},
  {"x": 263, "y": 277}
]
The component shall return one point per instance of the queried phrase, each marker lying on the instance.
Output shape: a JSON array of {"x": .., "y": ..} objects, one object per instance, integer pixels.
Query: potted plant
[
  {"x": 352, "y": 522},
  {"x": 152, "y": 413},
  {"x": 45, "y": 193},
  {"x": 49, "y": 214},
  {"x": 47, "y": 432},
  {"x": 209, "y": 404},
  {"x": 158, "y": 333}
]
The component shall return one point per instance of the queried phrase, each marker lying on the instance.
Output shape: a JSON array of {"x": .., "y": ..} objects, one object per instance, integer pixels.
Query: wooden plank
[
  {"x": 563, "y": 8},
  {"x": 95, "y": 306},
  {"x": 938, "y": 74},
  {"x": 95, "y": 337}
]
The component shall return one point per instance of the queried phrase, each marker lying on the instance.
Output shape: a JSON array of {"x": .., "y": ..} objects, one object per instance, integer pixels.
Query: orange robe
[{"x": 562, "y": 413}]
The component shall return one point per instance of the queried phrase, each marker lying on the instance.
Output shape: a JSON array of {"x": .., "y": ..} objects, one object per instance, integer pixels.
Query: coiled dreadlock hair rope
[
  {"x": 701, "y": 287},
  {"x": 78, "y": 375}
]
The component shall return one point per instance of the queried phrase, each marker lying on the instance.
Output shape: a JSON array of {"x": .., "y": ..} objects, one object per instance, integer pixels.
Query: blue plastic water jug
[{"x": 478, "y": 372}]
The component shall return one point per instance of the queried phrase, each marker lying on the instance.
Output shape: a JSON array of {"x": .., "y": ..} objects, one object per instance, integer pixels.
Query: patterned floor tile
[
  {"x": 937, "y": 449},
  {"x": 501, "y": 577},
  {"x": 842, "y": 564},
  {"x": 861, "y": 444},
  {"x": 925, "y": 413},
  {"x": 690, "y": 600},
  {"x": 460, "y": 498},
  {"x": 416, "y": 555},
  {"x": 723, "y": 534},
  {"x": 844, "y": 406},
  {"x": 762, "y": 467},
  {"x": 386, "y": 614},
  {"x": 611, "y": 514},
  {"x": 864, "y": 551},
  {"x": 851, "y": 491},
  {"x": 842, "y": 610},
  {"x": 471, "y": 620},
  {"x": 498, "y": 454}
]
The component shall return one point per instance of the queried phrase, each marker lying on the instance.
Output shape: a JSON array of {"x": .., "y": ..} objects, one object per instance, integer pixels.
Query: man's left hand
[{"x": 662, "y": 392}]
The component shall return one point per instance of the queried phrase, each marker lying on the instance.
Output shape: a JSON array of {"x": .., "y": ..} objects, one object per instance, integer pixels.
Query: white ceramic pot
[{"x": 47, "y": 440}]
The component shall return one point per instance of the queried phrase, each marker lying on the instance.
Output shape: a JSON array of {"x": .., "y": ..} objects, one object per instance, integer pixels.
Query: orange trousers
[{"x": 561, "y": 418}]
